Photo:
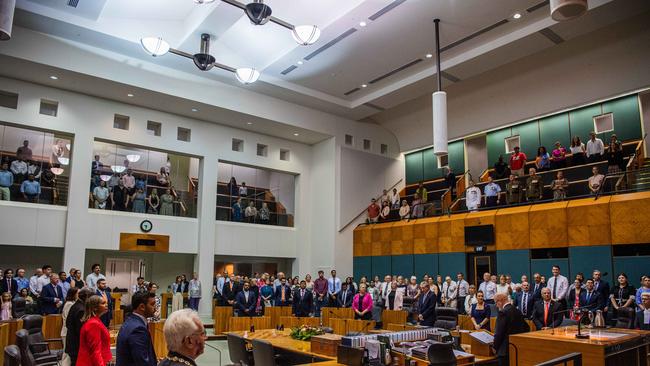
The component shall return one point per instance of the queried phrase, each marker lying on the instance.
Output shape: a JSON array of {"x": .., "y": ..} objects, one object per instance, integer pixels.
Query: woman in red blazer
[
  {"x": 94, "y": 340},
  {"x": 362, "y": 304}
]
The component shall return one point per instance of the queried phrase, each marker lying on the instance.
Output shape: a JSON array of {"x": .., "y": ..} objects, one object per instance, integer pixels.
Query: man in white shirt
[
  {"x": 44, "y": 279},
  {"x": 558, "y": 284},
  {"x": 462, "y": 290},
  {"x": 384, "y": 288},
  {"x": 91, "y": 279},
  {"x": 473, "y": 197},
  {"x": 643, "y": 316},
  {"x": 140, "y": 286},
  {"x": 595, "y": 148},
  {"x": 333, "y": 286},
  {"x": 449, "y": 293},
  {"x": 488, "y": 287},
  {"x": 33, "y": 282}
]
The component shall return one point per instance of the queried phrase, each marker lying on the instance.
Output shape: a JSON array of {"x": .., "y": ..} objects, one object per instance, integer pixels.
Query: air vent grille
[
  {"x": 330, "y": 43},
  {"x": 386, "y": 9},
  {"x": 374, "y": 106},
  {"x": 289, "y": 69},
  {"x": 352, "y": 91},
  {"x": 474, "y": 35},
  {"x": 449, "y": 77},
  {"x": 392, "y": 72},
  {"x": 73, "y": 3},
  {"x": 538, "y": 6}
]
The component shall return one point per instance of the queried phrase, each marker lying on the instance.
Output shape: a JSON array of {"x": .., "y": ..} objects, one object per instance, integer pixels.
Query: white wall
[
  {"x": 32, "y": 225},
  {"x": 234, "y": 238}
]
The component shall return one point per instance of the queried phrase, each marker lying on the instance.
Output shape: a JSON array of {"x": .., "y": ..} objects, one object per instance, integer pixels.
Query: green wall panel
[
  {"x": 633, "y": 267},
  {"x": 425, "y": 264},
  {"x": 496, "y": 146},
  {"x": 457, "y": 156},
  {"x": 586, "y": 259},
  {"x": 514, "y": 262},
  {"x": 554, "y": 128},
  {"x": 430, "y": 165},
  {"x": 544, "y": 266},
  {"x": 528, "y": 138},
  {"x": 381, "y": 266},
  {"x": 451, "y": 263},
  {"x": 402, "y": 265},
  {"x": 627, "y": 118},
  {"x": 361, "y": 266},
  {"x": 581, "y": 121},
  {"x": 413, "y": 165}
]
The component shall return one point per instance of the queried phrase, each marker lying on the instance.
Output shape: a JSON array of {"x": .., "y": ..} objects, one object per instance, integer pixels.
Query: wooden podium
[{"x": 605, "y": 347}]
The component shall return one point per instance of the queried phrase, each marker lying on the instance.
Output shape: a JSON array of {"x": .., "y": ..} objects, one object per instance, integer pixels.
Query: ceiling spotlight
[
  {"x": 362, "y": 24},
  {"x": 306, "y": 34},
  {"x": 364, "y": 85},
  {"x": 516, "y": 15},
  {"x": 296, "y": 134},
  {"x": 130, "y": 95},
  {"x": 299, "y": 62},
  {"x": 247, "y": 75},
  {"x": 249, "y": 123},
  {"x": 428, "y": 55},
  {"x": 194, "y": 110},
  {"x": 53, "y": 77},
  {"x": 203, "y": 1},
  {"x": 155, "y": 46}
]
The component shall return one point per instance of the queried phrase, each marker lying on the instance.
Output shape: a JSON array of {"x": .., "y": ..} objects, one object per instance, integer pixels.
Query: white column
[{"x": 204, "y": 260}]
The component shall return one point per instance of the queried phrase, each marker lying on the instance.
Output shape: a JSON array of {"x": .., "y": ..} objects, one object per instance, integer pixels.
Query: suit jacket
[
  {"x": 638, "y": 321},
  {"x": 427, "y": 308},
  {"x": 604, "y": 289},
  {"x": 5, "y": 287},
  {"x": 243, "y": 307},
  {"x": 48, "y": 298},
  {"x": 347, "y": 302},
  {"x": 398, "y": 302},
  {"x": 509, "y": 321},
  {"x": 553, "y": 320},
  {"x": 106, "y": 318},
  {"x": 302, "y": 305},
  {"x": 530, "y": 303},
  {"x": 228, "y": 293},
  {"x": 287, "y": 296},
  {"x": 73, "y": 324},
  {"x": 596, "y": 300},
  {"x": 537, "y": 294},
  {"x": 134, "y": 346}
]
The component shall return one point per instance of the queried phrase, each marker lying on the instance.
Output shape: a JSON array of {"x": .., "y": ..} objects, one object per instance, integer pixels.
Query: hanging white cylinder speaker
[
  {"x": 562, "y": 10},
  {"x": 6, "y": 18},
  {"x": 439, "y": 104}
]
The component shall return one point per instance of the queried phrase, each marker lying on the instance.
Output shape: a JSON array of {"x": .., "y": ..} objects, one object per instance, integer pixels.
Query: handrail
[
  {"x": 364, "y": 210},
  {"x": 574, "y": 357},
  {"x": 635, "y": 162}
]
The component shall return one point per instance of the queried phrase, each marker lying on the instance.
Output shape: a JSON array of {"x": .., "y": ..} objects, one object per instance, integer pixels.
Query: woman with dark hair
[
  {"x": 622, "y": 295},
  {"x": 577, "y": 151},
  {"x": 78, "y": 281},
  {"x": 70, "y": 299},
  {"x": 94, "y": 339},
  {"x": 178, "y": 288},
  {"x": 543, "y": 159},
  {"x": 352, "y": 287},
  {"x": 615, "y": 162},
  {"x": 480, "y": 312}
]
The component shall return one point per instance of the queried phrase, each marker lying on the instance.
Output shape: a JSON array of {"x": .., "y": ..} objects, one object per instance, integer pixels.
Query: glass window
[
  {"x": 128, "y": 178},
  {"x": 254, "y": 195},
  {"x": 35, "y": 165}
]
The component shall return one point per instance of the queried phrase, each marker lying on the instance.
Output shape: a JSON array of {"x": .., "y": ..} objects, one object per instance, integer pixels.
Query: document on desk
[
  {"x": 458, "y": 353},
  {"x": 483, "y": 337}
]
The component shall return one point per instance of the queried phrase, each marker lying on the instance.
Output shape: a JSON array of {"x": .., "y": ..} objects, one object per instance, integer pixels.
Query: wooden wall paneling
[
  {"x": 362, "y": 326},
  {"x": 221, "y": 316},
  {"x": 129, "y": 242},
  {"x": 385, "y": 231},
  {"x": 588, "y": 222},
  {"x": 362, "y": 240},
  {"x": 275, "y": 313},
  {"x": 451, "y": 233},
  {"x": 511, "y": 228},
  {"x": 548, "y": 225},
  {"x": 4, "y": 340},
  {"x": 244, "y": 323},
  {"x": 629, "y": 218},
  {"x": 393, "y": 317},
  {"x": 14, "y": 326},
  {"x": 401, "y": 238},
  {"x": 158, "y": 337},
  {"x": 425, "y": 235}
]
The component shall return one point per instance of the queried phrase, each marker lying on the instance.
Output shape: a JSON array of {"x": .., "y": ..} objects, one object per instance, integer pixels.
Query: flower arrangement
[{"x": 305, "y": 332}]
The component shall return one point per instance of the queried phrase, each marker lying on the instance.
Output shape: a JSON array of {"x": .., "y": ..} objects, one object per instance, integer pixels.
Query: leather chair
[
  {"x": 625, "y": 318},
  {"x": 264, "y": 354},
  {"x": 18, "y": 307},
  {"x": 38, "y": 345},
  {"x": 446, "y": 318},
  {"x": 239, "y": 354},
  {"x": 12, "y": 356},
  {"x": 441, "y": 354},
  {"x": 26, "y": 355}
]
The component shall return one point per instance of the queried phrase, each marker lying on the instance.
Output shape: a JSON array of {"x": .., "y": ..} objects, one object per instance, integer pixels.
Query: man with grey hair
[
  {"x": 509, "y": 321},
  {"x": 185, "y": 338}
]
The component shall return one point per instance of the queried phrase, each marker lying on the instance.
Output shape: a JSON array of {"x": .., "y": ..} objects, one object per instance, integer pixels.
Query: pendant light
[{"x": 439, "y": 105}]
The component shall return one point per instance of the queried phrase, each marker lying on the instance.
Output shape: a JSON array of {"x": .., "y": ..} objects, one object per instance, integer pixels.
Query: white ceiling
[{"x": 399, "y": 37}]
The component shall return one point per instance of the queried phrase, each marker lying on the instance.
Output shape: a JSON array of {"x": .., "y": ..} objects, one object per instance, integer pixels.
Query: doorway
[
  {"x": 479, "y": 263},
  {"x": 122, "y": 273}
]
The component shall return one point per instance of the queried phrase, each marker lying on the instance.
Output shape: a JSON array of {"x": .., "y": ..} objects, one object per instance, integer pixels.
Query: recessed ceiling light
[
  {"x": 249, "y": 123},
  {"x": 362, "y": 24},
  {"x": 428, "y": 55},
  {"x": 516, "y": 15},
  {"x": 54, "y": 77},
  {"x": 364, "y": 85},
  {"x": 299, "y": 62},
  {"x": 194, "y": 110},
  {"x": 130, "y": 95},
  {"x": 296, "y": 134}
]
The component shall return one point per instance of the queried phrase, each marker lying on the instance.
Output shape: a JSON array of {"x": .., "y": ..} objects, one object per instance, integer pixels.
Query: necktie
[
  {"x": 282, "y": 298},
  {"x": 9, "y": 285},
  {"x": 344, "y": 293},
  {"x": 302, "y": 294},
  {"x": 597, "y": 283},
  {"x": 546, "y": 314},
  {"x": 103, "y": 296},
  {"x": 588, "y": 297},
  {"x": 536, "y": 287},
  {"x": 554, "y": 286},
  {"x": 447, "y": 295},
  {"x": 524, "y": 302}
]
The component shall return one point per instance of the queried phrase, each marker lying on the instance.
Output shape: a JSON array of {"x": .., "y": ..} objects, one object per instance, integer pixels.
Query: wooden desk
[
  {"x": 243, "y": 323},
  {"x": 275, "y": 313},
  {"x": 345, "y": 326},
  {"x": 393, "y": 317},
  {"x": 629, "y": 348},
  {"x": 52, "y": 325},
  {"x": 341, "y": 313},
  {"x": 14, "y": 325},
  {"x": 281, "y": 340},
  {"x": 294, "y": 321},
  {"x": 221, "y": 316}
]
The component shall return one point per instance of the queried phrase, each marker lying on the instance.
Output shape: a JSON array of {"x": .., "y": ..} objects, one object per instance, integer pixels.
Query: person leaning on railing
[{"x": 559, "y": 187}]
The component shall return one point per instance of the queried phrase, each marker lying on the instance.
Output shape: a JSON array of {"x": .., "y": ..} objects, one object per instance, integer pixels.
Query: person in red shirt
[
  {"x": 94, "y": 340},
  {"x": 373, "y": 211},
  {"x": 517, "y": 162}
]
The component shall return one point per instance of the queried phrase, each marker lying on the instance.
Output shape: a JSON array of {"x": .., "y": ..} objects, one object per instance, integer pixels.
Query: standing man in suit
[
  {"x": 559, "y": 286},
  {"x": 229, "y": 291},
  {"x": 302, "y": 300},
  {"x": 73, "y": 324},
  {"x": 283, "y": 293},
  {"x": 642, "y": 320},
  {"x": 9, "y": 284},
  {"x": 333, "y": 287},
  {"x": 546, "y": 313},
  {"x": 524, "y": 300},
  {"x": 52, "y": 296},
  {"x": 134, "y": 346},
  {"x": 344, "y": 297},
  {"x": 509, "y": 321},
  {"x": 105, "y": 293},
  {"x": 602, "y": 287},
  {"x": 537, "y": 286},
  {"x": 427, "y": 305},
  {"x": 590, "y": 298},
  {"x": 246, "y": 301}
]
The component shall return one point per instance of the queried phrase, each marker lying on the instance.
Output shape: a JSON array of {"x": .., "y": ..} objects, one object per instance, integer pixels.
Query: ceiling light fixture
[
  {"x": 562, "y": 10},
  {"x": 118, "y": 168},
  {"x": 428, "y": 55},
  {"x": 105, "y": 177},
  {"x": 249, "y": 123},
  {"x": 364, "y": 85},
  {"x": 204, "y": 61},
  {"x": 296, "y": 134},
  {"x": 56, "y": 170},
  {"x": 63, "y": 160},
  {"x": 299, "y": 62},
  {"x": 260, "y": 14},
  {"x": 133, "y": 158},
  {"x": 194, "y": 110},
  {"x": 130, "y": 95},
  {"x": 203, "y": 1},
  {"x": 516, "y": 15},
  {"x": 53, "y": 77},
  {"x": 362, "y": 24}
]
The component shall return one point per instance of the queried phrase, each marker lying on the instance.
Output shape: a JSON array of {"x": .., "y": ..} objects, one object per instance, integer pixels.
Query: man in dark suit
[
  {"x": 73, "y": 324},
  {"x": 590, "y": 298},
  {"x": 642, "y": 320},
  {"x": 134, "y": 346},
  {"x": 245, "y": 302},
  {"x": 427, "y": 305},
  {"x": 547, "y": 313},
  {"x": 602, "y": 287},
  {"x": 229, "y": 291},
  {"x": 537, "y": 286},
  {"x": 105, "y": 293},
  {"x": 509, "y": 321},
  {"x": 302, "y": 300},
  {"x": 344, "y": 297},
  {"x": 52, "y": 296},
  {"x": 524, "y": 300},
  {"x": 9, "y": 284},
  {"x": 283, "y": 293}
]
